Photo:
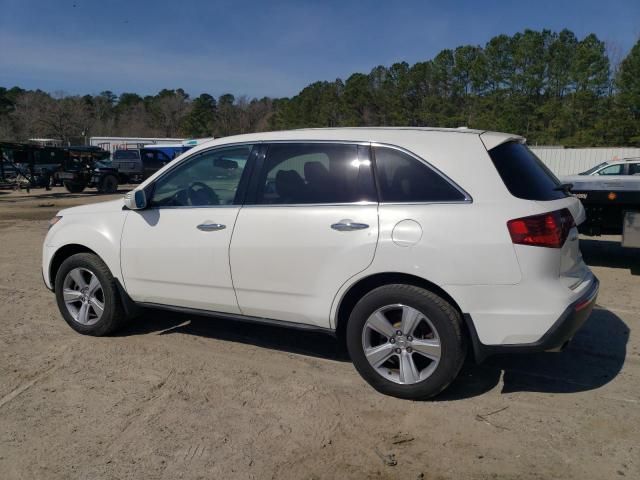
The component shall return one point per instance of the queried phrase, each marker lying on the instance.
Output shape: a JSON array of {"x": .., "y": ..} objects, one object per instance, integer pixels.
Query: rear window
[
  {"x": 126, "y": 155},
  {"x": 524, "y": 174}
]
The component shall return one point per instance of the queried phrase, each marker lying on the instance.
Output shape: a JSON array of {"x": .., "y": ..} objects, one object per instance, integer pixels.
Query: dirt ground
[{"x": 176, "y": 396}]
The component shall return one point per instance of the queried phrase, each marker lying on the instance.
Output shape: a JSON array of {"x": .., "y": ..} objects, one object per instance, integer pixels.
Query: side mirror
[
  {"x": 135, "y": 200},
  {"x": 225, "y": 163}
]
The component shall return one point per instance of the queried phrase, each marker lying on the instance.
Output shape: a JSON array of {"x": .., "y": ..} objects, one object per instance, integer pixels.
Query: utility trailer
[
  {"x": 130, "y": 165},
  {"x": 131, "y": 162},
  {"x": 25, "y": 165}
]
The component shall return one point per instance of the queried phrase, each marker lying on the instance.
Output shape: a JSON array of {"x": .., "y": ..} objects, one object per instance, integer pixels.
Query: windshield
[
  {"x": 593, "y": 169},
  {"x": 103, "y": 164}
]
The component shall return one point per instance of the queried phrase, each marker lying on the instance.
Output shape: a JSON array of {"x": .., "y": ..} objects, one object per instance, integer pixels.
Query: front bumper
[
  {"x": 47, "y": 256},
  {"x": 555, "y": 339}
]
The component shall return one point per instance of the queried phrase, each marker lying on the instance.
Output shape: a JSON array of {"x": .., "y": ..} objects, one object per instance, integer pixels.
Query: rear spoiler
[{"x": 492, "y": 140}]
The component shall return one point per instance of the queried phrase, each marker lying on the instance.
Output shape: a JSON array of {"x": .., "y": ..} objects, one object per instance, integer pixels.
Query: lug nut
[
  {"x": 409, "y": 349},
  {"x": 410, "y": 338},
  {"x": 399, "y": 332},
  {"x": 397, "y": 350},
  {"x": 392, "y": 340}
]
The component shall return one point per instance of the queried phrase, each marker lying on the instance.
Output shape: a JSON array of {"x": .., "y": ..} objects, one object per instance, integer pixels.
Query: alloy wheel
[
  {"x": 83, "y": 296},
  {"x": 401, "y": 344}
]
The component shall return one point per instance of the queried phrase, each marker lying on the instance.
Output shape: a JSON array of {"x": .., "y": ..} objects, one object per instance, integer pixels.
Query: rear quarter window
[
  {"x": 404, "y": 179},
  {"x": 524, "y": 174}
]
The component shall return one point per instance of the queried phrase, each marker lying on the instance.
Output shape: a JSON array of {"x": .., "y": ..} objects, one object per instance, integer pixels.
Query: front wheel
[
  {"x": 405, "y": 341},
  {"x": 109, "y": 184},
  {"x": 87, "y": 295},
  {"x": 74, "y": 187}
]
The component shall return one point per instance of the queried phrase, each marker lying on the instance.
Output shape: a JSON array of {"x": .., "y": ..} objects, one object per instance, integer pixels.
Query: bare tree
[
  {"x": 170, "y": 109},
  {"x": 616, "y": 55},
  {"x": 103, "y": 118},
  {"x": 135, "y": 121},
  {"x": 27, "y": 116},
  {"x": 6, "y": 129},
  {"x": 65, "y": 118}
]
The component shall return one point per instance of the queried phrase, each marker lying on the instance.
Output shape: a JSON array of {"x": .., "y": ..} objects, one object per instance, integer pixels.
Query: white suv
[{"x": 415, "y": 244}]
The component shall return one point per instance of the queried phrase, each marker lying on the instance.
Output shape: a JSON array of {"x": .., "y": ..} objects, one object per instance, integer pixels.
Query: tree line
[{"x": 551, "y": 87}]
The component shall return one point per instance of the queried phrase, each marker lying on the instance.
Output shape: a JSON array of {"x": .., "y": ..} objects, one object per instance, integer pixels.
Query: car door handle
[
  {"x": 211, "y": 227},
  {"x": 348, "y": 225}
]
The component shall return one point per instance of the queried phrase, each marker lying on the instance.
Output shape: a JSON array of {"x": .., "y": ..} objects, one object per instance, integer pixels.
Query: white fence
[{"x": 569, "y": 161}]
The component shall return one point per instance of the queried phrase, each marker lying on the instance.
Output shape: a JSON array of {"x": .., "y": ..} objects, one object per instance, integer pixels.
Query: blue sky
[{"x": 258, "y": 48}]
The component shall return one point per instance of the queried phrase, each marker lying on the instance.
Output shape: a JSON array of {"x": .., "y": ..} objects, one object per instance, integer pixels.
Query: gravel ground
[{"x": 177, "y": 396}]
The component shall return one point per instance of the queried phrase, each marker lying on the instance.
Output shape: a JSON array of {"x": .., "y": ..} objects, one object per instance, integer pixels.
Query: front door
[
  {"x": 312, "y": 224},
  {"x": 176, "y": 252}
]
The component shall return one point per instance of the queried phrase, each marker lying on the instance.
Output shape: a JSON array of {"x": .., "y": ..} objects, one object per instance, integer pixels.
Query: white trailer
[{"x": 112, "y": 144}]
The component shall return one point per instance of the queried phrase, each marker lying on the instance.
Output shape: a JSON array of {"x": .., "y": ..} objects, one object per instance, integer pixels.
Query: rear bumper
[{"x": 556, "y": 338}]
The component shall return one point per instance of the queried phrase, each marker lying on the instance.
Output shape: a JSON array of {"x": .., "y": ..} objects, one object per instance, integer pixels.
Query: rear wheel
[
  {"x": 406, "y": 341},
  {"x": 87, "y": 295},
  {"x": 74, "y": 187}
]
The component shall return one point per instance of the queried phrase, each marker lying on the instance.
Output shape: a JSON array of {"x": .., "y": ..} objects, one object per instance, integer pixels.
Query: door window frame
[
  {"x": 466, "y": 197},
  {"x": 243, "y": 185},
  {"x": 623, "y": 170},
  {"x": 251, "y": 199}
]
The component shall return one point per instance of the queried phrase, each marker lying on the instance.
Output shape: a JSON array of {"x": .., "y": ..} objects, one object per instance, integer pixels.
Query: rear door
[{"x": 310, "y": 224}]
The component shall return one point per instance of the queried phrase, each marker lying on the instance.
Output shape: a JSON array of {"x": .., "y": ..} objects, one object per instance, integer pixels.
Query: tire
[
  {"x": 434, "y": 346},
  {"x": 109, "y": 184},
  {"x": 73, "y": 187},
  {"x": 94, "y": 323}
]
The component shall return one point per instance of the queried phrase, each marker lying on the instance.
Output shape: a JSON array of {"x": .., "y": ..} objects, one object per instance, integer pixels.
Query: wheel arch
[
  {"x": 66, "y": 251},
  {"x": 62, "y": 254},
  {"x": 366, "y": 284}
]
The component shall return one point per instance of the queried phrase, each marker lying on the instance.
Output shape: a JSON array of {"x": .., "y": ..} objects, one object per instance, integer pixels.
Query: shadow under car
[{"x": 592, "y": 359}]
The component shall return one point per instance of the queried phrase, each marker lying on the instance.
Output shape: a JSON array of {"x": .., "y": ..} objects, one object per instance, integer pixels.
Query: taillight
[{"x": 545, "y": 230}]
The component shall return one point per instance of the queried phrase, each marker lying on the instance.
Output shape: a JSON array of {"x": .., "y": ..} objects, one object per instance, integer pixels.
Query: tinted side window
[
  {"x": 155, "y": 159},
  {"x": 300, "y": 173},
  {"x": 612, "y": 170},
  {"x": 403, "y": 178},
  {"x": 126, "y": 155},
  {"x": 634, "y": 169},
  {"x": 148, "y": 158},
  {"x": 210, "y": 178},
  {"x": 524, "y": 174}
]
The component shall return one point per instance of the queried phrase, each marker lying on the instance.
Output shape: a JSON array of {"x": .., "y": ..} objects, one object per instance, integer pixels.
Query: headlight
[{"x": 54, "y": 220}]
